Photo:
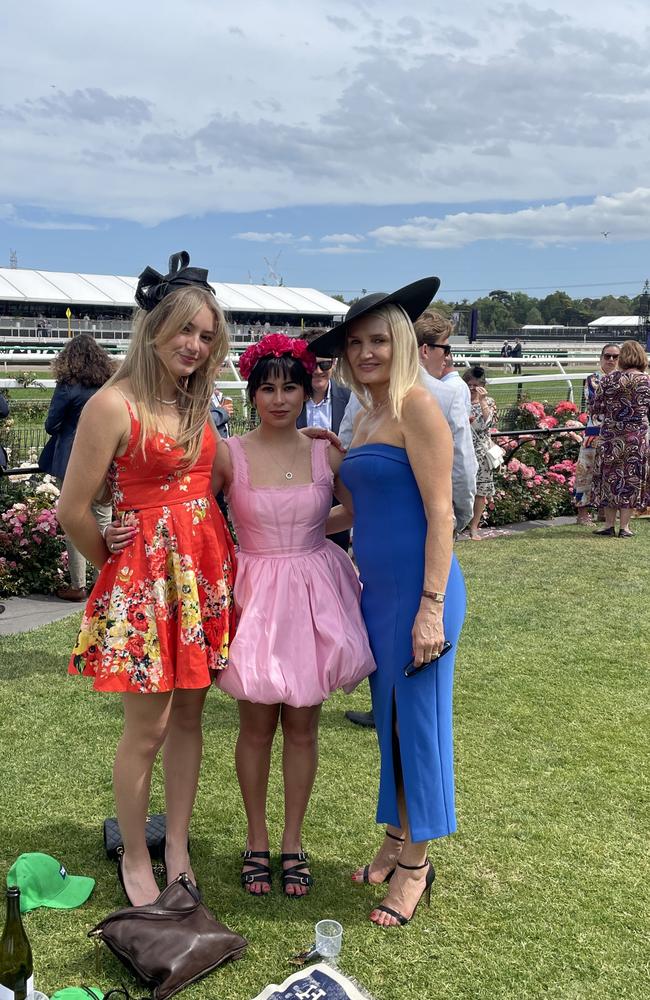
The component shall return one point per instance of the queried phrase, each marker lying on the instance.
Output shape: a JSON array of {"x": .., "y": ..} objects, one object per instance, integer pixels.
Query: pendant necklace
[{"x": 287, "y": 472}]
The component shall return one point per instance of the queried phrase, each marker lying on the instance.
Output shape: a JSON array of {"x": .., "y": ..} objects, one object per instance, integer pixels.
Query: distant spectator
[
  {"x": 516, "y": 352},
  {"x": 325, "y": 409},
  {"x": 4, "y": 460},
  {"x": 506, "y": 349},
  {"x": 4, "y": 413},
  {"x": 482, "y": 417},
  {"x": 221, "y": 410},
  {"x": 80, "y": 370},
  {"x": 585, "y": 464},
  {"x": 622, "y": 401}
]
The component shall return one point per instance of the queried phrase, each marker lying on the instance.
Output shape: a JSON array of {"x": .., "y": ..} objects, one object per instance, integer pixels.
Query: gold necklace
[{"x": 287, "y": 472}]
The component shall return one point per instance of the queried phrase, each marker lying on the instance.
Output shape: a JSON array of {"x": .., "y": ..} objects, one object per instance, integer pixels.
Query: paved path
[{"x": 24, "y": 613}]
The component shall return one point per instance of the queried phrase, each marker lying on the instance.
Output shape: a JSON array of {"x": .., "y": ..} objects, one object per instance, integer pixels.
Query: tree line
[{"x": 501, "y": 310}]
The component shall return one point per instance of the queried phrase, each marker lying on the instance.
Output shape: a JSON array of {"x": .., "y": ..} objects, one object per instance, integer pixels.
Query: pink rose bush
[
  {"x": 537, "y": 478},
  {"x": 31, "y": 541}
]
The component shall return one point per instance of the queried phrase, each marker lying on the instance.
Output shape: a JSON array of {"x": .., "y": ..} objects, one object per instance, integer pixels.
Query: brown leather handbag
[{"x": 172, "y": 942}]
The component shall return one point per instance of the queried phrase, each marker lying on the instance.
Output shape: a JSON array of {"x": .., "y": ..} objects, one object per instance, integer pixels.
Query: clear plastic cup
[{"x": 329, "y": 934}]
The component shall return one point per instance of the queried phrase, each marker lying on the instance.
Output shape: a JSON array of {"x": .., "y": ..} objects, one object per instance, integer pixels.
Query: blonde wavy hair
[
  {"x": 145, "y": 369},
  {"x": 405, "y": 364}
]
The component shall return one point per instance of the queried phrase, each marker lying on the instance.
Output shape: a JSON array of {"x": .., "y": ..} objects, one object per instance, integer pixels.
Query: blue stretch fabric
[{"x": 389, "y": 539}]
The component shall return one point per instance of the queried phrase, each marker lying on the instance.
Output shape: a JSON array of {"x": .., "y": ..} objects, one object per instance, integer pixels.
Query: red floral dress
[{"x": 161, "y": 614}]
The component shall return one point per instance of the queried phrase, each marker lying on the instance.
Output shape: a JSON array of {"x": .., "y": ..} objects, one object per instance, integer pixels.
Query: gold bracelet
[{"x": 434, "y": 595}]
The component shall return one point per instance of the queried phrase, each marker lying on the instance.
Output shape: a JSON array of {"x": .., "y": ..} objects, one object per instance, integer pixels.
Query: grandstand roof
[
  {"x": 20, "y": 285},
  {"x": 616, "y": 321}
]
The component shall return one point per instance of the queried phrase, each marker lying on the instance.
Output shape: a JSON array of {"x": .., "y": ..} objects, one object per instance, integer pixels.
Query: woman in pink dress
[{"x": 300, "y": 634}]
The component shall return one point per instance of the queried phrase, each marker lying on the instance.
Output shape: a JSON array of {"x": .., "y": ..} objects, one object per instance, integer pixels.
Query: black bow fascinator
[{"x": 153, "y": 287}]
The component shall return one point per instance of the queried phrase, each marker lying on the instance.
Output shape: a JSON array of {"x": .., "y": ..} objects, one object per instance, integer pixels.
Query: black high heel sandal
[
  {"x": 431, "y": 874},
  {"x": 256, "y": 872},
  {"x": 366, "y": 869},
  {"x": 296, "y": 874},
  {"x": 120, "y": 877}
]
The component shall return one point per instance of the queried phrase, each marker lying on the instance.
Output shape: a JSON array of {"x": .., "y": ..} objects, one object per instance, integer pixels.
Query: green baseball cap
[{"x": 44, "y": 881}]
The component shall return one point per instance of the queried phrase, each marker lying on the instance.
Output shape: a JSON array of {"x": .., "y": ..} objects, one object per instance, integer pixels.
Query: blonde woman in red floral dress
[{"x": 158, "y": 623}]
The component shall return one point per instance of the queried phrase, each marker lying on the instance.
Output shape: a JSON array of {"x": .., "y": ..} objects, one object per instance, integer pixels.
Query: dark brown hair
[{"x": 83, "y": 362}]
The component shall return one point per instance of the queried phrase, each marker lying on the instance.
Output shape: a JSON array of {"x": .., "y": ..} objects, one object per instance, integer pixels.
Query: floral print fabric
[
  {"x": 482, "y": 440},
  {"x": 585, "y": 464},
  {"x": 161, "y": 615},
  {"x": 620, "y": 478}
]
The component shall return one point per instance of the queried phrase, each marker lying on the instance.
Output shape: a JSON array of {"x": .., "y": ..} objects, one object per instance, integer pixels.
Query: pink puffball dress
[{"x": 300, "y": 634}]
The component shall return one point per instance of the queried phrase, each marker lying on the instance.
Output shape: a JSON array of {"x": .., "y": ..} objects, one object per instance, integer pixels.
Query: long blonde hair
[
  {"x": 145, "y": 369},
  {"x": 405, "y": 364}
]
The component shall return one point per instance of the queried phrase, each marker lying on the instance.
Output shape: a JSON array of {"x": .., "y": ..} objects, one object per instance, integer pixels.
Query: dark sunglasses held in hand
[{"x": 410, "y": 670}]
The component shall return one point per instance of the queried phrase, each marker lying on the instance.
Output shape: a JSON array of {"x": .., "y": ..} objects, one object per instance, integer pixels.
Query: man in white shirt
[{"x": 452, "y": 379}]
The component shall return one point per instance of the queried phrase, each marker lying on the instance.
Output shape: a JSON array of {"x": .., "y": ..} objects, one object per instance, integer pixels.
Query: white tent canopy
[
  {"x": 615, "y": 321},
  {"x": 20, "y": 285}
]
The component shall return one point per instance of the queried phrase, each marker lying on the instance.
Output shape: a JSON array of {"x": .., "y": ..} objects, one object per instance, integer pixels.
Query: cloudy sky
[{"x": 340, "y": 144}]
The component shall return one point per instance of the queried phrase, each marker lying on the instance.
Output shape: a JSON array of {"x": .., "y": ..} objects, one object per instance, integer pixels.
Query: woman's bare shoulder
[
  {"x": 419, "y": 403},
  {"x": 108, "y": 402}
]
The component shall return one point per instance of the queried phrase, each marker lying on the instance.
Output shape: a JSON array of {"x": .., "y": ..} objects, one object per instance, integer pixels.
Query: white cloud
[
  {"x": 337, "y": 250},
  {"x": 342, "y": 238},
  {"x": 271, "y": 238},
  {"x": 624, "y": 216},
  {"x": 9, "y": 215},
  {"x": 299, "y": 104}
]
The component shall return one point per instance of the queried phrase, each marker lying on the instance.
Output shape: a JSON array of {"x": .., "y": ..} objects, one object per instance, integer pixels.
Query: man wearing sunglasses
[{"x": 325, "y": 409}]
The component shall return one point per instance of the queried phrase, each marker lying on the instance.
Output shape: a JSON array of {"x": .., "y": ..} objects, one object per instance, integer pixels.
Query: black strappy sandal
[
  {"x": 257, "y": 872},
  {"x": 399, "y": 917},
  {"x": 296, "y": 874},
  {"x": 366, "y": 869}
]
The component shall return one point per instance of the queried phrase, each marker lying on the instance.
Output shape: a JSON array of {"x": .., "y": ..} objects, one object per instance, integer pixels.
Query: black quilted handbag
[{"x": 155, "y": 831}]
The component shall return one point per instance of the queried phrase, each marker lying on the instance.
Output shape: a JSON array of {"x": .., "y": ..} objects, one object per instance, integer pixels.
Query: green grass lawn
[{"x": 542, "y": 893}]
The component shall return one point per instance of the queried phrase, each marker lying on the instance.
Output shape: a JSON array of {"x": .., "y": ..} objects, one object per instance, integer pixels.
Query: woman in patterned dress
[
  {"x": 159, "y": 619},
  {"x": 622, "y": 401},
  {"x": 585, "y": 464},
  {"x": 481, "y": 419}
]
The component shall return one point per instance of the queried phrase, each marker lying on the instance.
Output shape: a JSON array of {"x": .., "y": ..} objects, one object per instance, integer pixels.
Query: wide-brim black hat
[{"x": 413, "y": 299}]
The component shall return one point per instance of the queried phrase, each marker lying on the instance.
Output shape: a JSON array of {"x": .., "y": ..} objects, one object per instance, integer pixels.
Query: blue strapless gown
[{"x": 389, "y": 539}]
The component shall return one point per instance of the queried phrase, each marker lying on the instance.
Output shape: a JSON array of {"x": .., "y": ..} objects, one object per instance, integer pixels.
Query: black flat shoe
[
  {"x": 605, "y": 532},
  {"x": 296, "y": 874},
  {"x": 256, "y": 872},
  {"x": 399, "y": 917},
  {"x": 625, "y": 533}
]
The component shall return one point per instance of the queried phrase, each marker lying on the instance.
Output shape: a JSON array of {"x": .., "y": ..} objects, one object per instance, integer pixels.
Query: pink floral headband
[{"x": 277, "y": 345}]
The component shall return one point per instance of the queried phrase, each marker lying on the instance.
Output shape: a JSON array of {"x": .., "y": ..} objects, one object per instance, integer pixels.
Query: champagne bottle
[{"x": 16, "y": 966}]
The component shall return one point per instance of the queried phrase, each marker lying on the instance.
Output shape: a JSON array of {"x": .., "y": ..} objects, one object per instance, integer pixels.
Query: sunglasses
[
  {"x": 445, "y": 348},
  {"x": 325, "y": 365},
  {"x": 610, "y": 357}
]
